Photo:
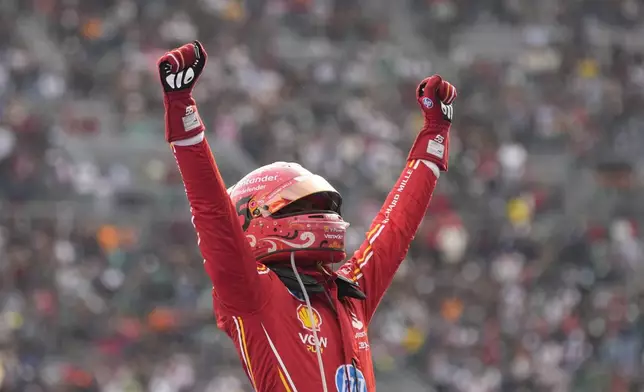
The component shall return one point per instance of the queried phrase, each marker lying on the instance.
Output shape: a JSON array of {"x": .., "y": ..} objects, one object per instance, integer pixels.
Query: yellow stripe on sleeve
[
  {"x": 373, "y": 231},
  {"x": 370, "y": 234},
  {"x": 245, "y": 348}
]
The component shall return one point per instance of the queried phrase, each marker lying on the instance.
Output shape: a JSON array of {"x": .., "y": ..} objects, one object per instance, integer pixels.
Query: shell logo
[{"x": 307, "y": 323}]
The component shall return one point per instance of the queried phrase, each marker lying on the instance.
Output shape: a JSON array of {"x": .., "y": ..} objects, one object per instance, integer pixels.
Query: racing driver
[{"x": 269, "y": 243}]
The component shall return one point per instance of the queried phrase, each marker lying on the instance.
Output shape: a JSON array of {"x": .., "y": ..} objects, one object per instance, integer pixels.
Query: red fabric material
[
  {"x": 181, "y": 57},
  {"x": 434, "y": 96},
  {"x": 266, "y": 322},
  {"x": 179, "y": 105},
  {"x": 176, "y": 105}
]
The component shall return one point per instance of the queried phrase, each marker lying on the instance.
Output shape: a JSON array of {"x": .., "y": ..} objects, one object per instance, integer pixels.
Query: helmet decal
[
  {"x": 307, "y": 237},
  {"x": 289, "y": 236},
  {"x": 262, "y": 200},
  {"x": 243, "y": 211}
]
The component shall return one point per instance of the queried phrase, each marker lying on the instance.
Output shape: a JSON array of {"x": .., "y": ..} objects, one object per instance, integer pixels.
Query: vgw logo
[
  {"x": 308, "y": 338},
  {"x": 350, "y": 379}
]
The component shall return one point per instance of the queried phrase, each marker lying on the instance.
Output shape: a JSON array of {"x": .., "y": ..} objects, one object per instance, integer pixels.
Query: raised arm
[
  {"x": 387, "y": 242},
  {"x": 227, "y": 257}
]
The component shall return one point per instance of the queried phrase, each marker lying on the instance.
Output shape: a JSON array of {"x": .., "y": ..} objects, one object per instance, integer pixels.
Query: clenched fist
[
  {"x": 179, "y": 70},
  {"x": 435, "y": 97}
]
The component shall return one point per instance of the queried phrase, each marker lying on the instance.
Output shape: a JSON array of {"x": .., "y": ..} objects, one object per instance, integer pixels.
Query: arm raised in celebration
[
  {"x": 389, "y": 237},
  {"x": 227, "y": 256}
]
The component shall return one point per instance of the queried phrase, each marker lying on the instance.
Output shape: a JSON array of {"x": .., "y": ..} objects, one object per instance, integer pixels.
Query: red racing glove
[
  {"x": 179, "y": 70},
  {"x": 435, "y": 97}
]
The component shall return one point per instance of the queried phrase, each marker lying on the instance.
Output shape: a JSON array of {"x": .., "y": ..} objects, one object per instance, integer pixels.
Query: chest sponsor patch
[
  {"x": 360, "y": 334},
  {"x": 350, "y": 379},
  {"x": 305, "y": 318},
  {"x": 307, "y": 338}
]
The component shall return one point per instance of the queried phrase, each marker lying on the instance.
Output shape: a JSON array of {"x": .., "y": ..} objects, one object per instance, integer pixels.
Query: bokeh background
[{"x": 528, "y": 271}]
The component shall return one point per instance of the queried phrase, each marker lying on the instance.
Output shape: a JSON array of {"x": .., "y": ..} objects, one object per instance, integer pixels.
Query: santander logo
[{"x": 357, "y": 324}]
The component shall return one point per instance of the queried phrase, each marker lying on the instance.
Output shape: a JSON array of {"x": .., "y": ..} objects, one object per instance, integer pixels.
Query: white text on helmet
[{"x": 249, "y": 181}]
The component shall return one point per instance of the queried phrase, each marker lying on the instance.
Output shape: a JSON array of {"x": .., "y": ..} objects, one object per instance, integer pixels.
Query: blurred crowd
[{"x": 526, "y": 274}]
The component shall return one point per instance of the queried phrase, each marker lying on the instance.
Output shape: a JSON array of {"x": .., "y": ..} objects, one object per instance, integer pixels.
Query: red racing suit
[{"x": 269, "y": 325}]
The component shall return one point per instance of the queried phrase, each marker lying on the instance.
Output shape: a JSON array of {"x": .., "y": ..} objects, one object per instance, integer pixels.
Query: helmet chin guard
[{"x": 284, "y": 208}]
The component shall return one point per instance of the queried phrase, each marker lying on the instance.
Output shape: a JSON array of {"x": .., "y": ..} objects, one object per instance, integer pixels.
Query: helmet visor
[{"x": 319, "y": 195}]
